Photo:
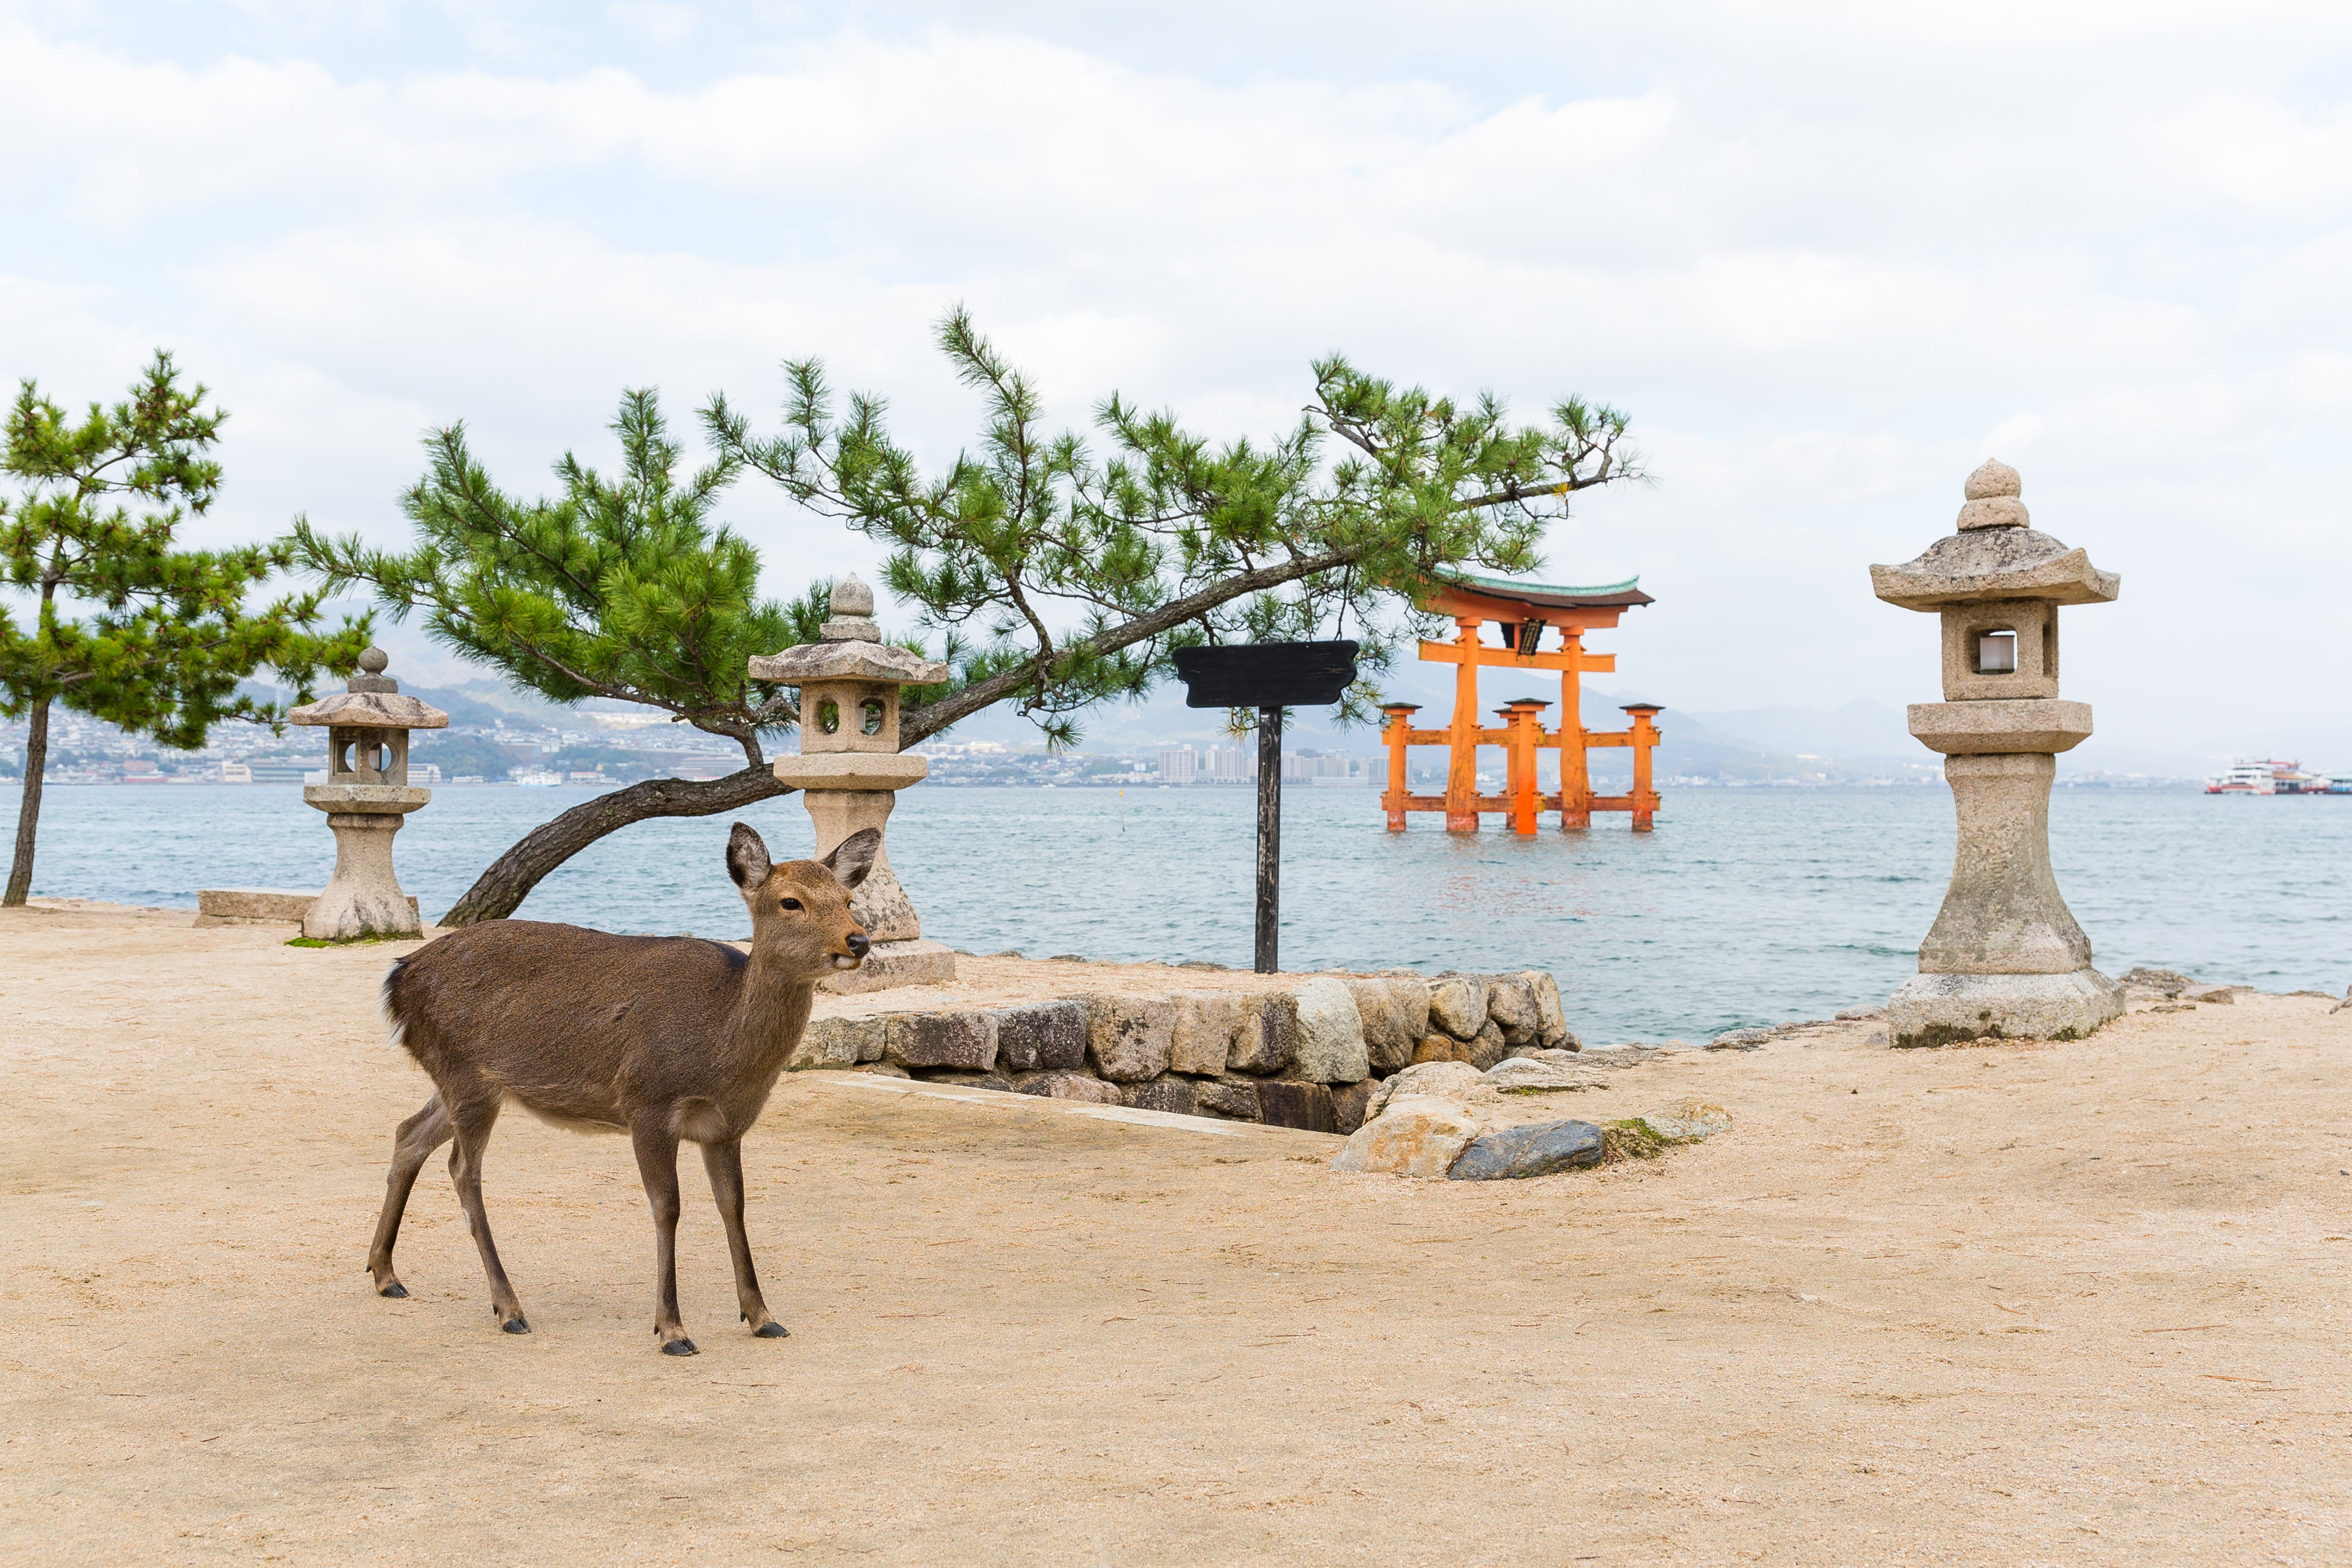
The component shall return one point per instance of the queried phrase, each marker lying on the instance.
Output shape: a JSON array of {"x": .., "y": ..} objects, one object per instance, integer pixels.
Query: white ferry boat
[{"x": 2274, "y": 776}]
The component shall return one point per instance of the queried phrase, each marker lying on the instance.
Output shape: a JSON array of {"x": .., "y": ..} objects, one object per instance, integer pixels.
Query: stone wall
[{"x": 1310, "y": 1056}]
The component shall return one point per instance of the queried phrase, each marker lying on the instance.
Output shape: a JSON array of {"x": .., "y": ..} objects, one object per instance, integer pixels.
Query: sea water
[{"x": 1744, "y": 907}]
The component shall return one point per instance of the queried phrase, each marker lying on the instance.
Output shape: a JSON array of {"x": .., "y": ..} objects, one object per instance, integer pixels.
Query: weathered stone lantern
[
  {"x": 366, "y": 795},
  {"x": 849, "y": 771},
  {"x": 2005, "y": 956}
]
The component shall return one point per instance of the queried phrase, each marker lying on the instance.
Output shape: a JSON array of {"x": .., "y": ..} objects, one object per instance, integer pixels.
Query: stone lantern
[
  {"x": 849, "y": 771},
  {"x": 2005, "y": 956},
  {"x": 366, "y": 793}
]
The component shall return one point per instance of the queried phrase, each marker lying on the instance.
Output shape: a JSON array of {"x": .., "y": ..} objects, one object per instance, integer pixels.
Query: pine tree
[{"x": 165, "y": 637}]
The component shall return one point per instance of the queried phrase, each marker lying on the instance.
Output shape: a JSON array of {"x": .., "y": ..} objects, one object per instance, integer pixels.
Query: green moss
[{"x": 352, "y": 942}]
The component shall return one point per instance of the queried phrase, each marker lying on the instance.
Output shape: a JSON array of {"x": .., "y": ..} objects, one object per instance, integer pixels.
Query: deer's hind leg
[
  {"x": 411, "y": 1147},
  {"x": 473, "y": 1116}
]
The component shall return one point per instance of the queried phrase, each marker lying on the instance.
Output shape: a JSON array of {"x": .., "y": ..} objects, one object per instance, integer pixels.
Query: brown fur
[{"x": 668, "y": 1039}]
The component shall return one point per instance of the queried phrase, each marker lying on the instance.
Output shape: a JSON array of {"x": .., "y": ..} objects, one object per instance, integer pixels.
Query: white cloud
[{"x": 1830, "y": 257}]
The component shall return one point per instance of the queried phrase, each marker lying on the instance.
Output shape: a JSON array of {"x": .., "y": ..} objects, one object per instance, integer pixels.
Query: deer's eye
[{"x": 791, "y": 904}]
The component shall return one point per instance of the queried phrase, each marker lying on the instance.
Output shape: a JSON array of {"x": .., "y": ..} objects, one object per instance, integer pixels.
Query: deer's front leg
[
  {"x": 657, "y": 1148},
  {"x": 725, "y": 1164}
]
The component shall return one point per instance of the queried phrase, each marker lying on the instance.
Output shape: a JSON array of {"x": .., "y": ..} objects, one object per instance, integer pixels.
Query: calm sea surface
[{"x": 1744, "y": 907}]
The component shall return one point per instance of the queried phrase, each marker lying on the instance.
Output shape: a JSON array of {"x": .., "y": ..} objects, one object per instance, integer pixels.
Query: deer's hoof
[
  {"x": 517, "y": 1324},
  {"x": 395, "y": 1291},
  {"x": 771, "y": 1331},
  {"x": 677, "y": 1347}
]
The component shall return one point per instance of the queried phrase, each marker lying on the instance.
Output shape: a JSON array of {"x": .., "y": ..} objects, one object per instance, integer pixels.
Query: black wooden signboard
[{"x": 1268, "y": 677}]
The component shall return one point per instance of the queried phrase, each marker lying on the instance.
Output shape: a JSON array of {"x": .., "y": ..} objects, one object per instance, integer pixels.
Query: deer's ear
[
  {"x": 855, "y": 856},
  {"x": 747, "y": 858}
]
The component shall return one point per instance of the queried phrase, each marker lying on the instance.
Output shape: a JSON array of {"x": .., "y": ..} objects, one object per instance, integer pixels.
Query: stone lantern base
[
  {"x": 1941, "y": 1009},
  {"x": 846, "y": 792},
  {"x": 362, "y": 899}
]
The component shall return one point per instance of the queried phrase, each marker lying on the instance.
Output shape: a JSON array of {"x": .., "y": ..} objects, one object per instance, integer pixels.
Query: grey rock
[
  {"x": 1531, "y": 1075},
  {"x": 1067, "y": 1086},
  {"x": 1292, "y": 1102},
  {"x": 1410, "y": 992},
  {"x": 1740, "y": 1040},
  {"x": 1261, "y": 1041},
  {"x": 1347, "y": 1105},
  {"x": 1233, "y": 1098},
  {"x": 2167, "y": 983},
  {"x": 1860, "y": 1015},
  {"x": 1326, "y": 1033},
  {"x": 1129, "y": 1037},
  {"x": 1511, "y": 1007},
  {"x": 1172, "y": 1094},
  {"x": 1485, "y": 1050},
  {"x": 1388, "y": 1045},
  {"x": 1688, "y": 1122},
  {"x": 1203, "y": 1031},
  {"x": 1536, "y": 1150},
  {"x": 836, "y": 1043},
  {"x": 2219, "y": 995},
  {"x": 1044, "y": 1036},
  {"x": 1457, "y": 1004},
  {"x": 1453, "y": 1080},
  {"x": 886, "y": 1069},
  {"x": 941, "y": 1040},
  {"x": 1551, "y": 1022}
]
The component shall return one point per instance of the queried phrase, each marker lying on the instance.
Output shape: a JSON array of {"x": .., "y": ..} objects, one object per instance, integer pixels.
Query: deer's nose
[{"x": 858, "y": 942}]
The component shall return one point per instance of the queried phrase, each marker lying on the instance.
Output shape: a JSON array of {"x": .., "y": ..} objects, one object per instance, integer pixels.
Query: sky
[{"x": 1828, "y": 257}]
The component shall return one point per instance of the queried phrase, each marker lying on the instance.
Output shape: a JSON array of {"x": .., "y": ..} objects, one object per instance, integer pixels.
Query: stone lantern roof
[
  {"x": 849, "y": 647},
  {"x": 372, "y": 701},
  {"x": 1994, "y": 554}
]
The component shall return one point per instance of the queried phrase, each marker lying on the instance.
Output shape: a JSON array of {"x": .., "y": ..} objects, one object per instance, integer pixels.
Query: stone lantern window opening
[
  {"x": 828, "y": 717},
  {"x": 1997, "y": 652},
  {"x": 362, "y": 755},
  {"x": 870, "y": 715}
]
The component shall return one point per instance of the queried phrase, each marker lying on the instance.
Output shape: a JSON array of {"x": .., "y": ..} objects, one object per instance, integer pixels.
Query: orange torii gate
[{"x": 1524, "y": 611}]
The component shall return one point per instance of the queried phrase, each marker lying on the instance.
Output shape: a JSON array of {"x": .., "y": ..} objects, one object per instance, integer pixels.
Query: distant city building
[
  {"x": 1232, "y": 764},
  {"x": 1179, "y": 767}
]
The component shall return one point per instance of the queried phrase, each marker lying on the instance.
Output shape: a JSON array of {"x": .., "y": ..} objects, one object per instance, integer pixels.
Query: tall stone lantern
[
  {"x": 850, "y": 770},
  {"x": 366, "y": 795},
  {"x": 2005, "y": 956}
]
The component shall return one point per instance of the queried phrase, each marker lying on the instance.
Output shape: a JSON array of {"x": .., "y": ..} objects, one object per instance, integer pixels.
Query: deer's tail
[{"x": 392, "y": 1005}]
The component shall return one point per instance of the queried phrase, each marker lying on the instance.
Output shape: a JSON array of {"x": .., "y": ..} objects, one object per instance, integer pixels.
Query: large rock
[
  {"x": 1067, "y": 1086},
  {"x": 1389, "y": 1032},
  {"x": 1326, "y": 1033},
  {"x": 2219, "y": 995},
  {"x": 1290, "y": 1102},
  {"x": 965, "y": 1041},
  {"x": 1234, "y": 1097},
  {"x": 1172, "y": 1094},
  {"x": 1448, "y": 1079},
  {"x": 1536, "y": 1150},
  {"x": 1511, "y": 1007},
  {"x": 1689, "y": 1122},
  {"x": 1531, "y": 1075},
  {"x": 1941, "y": 1009},
  {"x": 1129, "y": 1037},
  {"x": 1487, "y": 1050},
  {"x": 836, "y": 1043},
  {"x": 1203, "y": 1031},
  {"x": 1386, "y": 1045},
  {"x": 1415, "y": 1135},
  {"x": 1044, "y": 1036},
  {"x": 1349, "y": 1104},
  {"x": 1551, "y": 1022},
  {"x": 1457, "y": 1004},
  {"x": 1410, "y": 993},
  {"x": 1261, "y": 1041}
]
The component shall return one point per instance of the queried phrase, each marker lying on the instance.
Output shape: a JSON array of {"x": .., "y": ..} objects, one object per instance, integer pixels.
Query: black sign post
[{"x": 1268, "y": 677}]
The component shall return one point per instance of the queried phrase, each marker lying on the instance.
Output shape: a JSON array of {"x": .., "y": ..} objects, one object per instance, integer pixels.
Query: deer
[{"x": 669, "y": 1039}]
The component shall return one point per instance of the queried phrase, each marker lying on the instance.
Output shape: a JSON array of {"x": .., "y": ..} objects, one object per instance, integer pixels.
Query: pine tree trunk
[
  {"x": 28, "y": 809},
  {"x": 499, "y": 891}
]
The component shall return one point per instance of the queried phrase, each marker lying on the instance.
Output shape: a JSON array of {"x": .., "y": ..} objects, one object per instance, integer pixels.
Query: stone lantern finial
[
  {"x": 2005, "y": 956},
  {"x": 366, "y": 795},
  {"x": 852, "y": 614}
]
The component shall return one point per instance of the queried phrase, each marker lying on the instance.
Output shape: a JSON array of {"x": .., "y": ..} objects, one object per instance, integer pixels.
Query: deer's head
[{"x": 800, "y": 909}]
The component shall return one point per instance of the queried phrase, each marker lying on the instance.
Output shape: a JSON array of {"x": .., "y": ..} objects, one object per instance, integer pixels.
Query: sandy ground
[{"x": 2014, "y": 1304}]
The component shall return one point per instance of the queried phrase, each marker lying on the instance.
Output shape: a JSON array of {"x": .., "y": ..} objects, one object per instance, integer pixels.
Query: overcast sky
[{"x": 1828, "y": 257}]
